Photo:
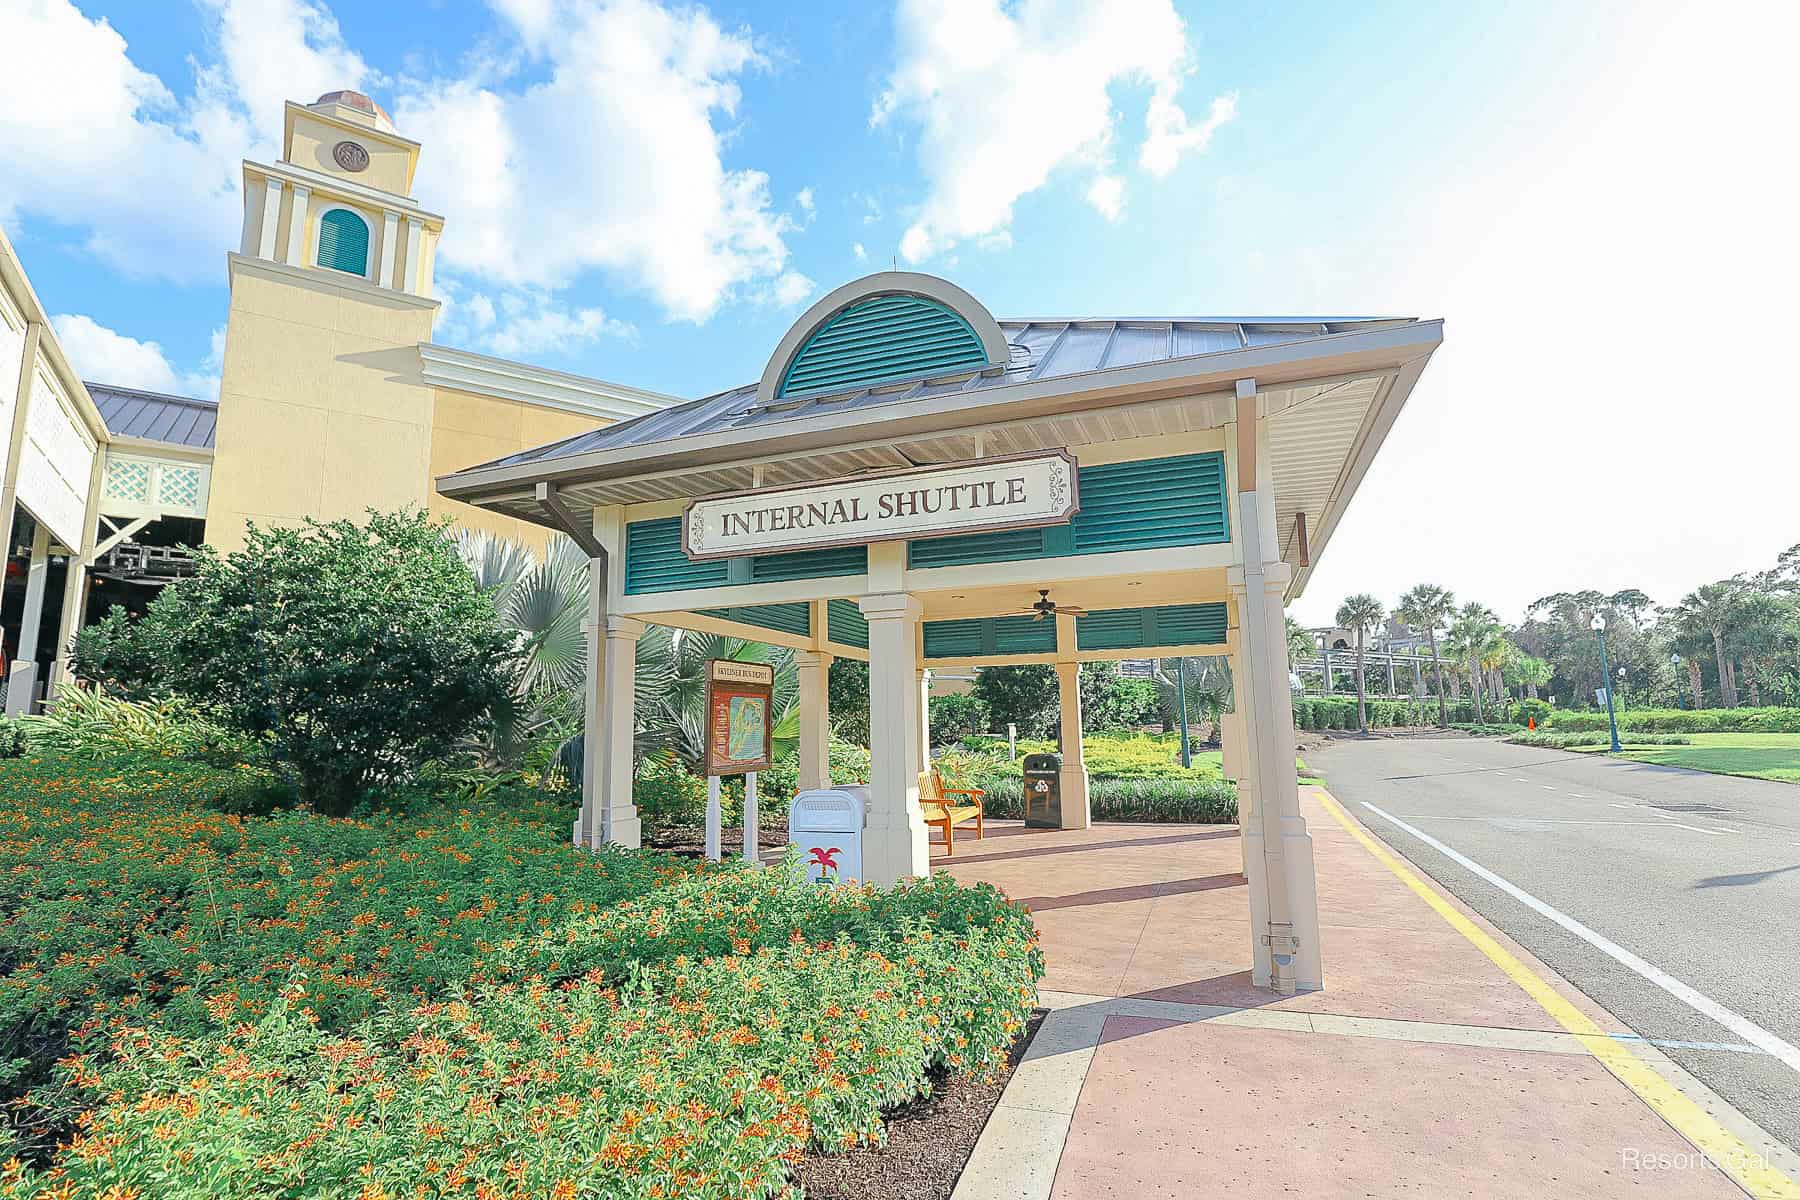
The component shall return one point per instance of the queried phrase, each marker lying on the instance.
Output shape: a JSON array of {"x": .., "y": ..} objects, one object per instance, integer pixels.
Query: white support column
[
  {"x": 587, "y": 824},
  {"x": 1284, "y": 902},
  {"x": 813, "y": 670},
  {"x": 75, "y": 580},
  {"x": 924, "y": 718},
  {"x": 619, "y": 823},
  {"x": 22, "y": 679},
  {"x": 1075, "y": 810},
  {"x": 296, "y": 239},
  {"x": 894, "y": 836},
  {"x": 415, "y": 242},
  {"x": 390, "y": 234},
  {"x": 1233, "y": 745},
  {"x": 271, "y": 218}
]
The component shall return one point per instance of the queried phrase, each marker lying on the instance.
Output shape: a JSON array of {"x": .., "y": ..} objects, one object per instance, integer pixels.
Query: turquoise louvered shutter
[
  {"x": 1151, "y": 503},
  {"x": 882, "y": 340},
  {"x": 654, "y": 561},
  {"x": 343, "y": 242},
  {"x": 845, "y": 623}
]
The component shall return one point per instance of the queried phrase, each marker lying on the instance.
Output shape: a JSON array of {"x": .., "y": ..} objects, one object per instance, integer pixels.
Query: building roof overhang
[{"x": 1330, "y": 394}]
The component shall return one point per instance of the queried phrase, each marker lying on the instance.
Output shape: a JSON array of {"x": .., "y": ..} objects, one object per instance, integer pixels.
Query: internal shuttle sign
[{"x": 1015, "y": 492}]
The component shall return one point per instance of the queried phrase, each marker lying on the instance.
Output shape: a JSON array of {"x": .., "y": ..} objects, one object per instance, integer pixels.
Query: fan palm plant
[
  {"x": 1361, "y": 614},
  {"x": 1472, "y": 640},
  {"x": 545, "y": 602}
]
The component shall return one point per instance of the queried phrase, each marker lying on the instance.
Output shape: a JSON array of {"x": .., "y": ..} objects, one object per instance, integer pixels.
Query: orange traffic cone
[{"x": 1531, "y": 722}]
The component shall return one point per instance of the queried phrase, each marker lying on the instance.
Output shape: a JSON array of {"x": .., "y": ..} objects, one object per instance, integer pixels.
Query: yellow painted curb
[{"x": 1722, "y": 1148}]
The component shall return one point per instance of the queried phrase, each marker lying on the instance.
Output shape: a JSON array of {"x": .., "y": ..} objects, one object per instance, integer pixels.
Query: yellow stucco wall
[
  {"x": 313, "y": 141},
  {"x": 468, "y": 430},
  {"x": 323, "y": 414}
]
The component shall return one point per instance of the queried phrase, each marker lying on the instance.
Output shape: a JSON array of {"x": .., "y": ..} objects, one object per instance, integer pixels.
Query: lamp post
[
  {"x": 1675, "y": 669},
  {"x": 1612, "y": 722}
]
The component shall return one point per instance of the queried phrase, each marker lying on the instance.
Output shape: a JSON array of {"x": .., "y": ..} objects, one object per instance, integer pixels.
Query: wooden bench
[{"x": 948, "y": 807}]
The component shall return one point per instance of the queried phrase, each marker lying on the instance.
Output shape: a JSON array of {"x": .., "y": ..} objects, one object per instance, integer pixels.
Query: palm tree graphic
[{"x": 824, "y": 858}]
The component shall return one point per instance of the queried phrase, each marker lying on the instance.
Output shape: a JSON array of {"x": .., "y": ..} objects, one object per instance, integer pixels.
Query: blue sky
[{"x": 651, "y": 194}]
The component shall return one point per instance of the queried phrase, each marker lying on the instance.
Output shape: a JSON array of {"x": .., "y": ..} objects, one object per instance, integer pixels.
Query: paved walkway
[{"x": 1441, "y": 1060}]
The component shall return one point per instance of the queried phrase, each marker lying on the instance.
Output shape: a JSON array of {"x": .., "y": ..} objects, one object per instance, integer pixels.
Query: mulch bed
[
  {"x": 690, "y": 841},
  {"x": 928, "y": 1141}
]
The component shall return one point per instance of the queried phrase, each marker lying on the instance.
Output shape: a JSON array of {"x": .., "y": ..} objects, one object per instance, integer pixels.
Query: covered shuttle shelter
[{"x": 909, "y": 473}]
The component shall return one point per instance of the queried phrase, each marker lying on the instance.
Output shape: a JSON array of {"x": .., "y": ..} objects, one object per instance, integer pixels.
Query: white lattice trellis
[{"x": 128, "y": 479}]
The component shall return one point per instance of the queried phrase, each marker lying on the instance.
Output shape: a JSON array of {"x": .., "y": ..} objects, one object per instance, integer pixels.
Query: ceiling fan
[{"x": 1046, "y": 607}]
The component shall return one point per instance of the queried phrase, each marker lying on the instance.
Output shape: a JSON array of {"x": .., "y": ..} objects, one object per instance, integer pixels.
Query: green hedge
[
  {"x": 1683, "y": 720},
  {"x": 1205, "y": 801},
  {"x": 1564, "y": 741}
]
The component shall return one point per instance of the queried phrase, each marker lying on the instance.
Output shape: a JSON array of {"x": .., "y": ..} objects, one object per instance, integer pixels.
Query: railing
[{"x": 131, "y": 562}]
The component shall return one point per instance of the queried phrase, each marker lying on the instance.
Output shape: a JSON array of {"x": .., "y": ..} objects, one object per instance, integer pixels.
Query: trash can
[
  {"x": 827, "y": 825},
  {"x": 1043, "y": 791}
]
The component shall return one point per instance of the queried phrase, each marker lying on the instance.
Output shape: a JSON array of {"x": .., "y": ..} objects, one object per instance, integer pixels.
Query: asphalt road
[{"x": 1710, "y": 896}]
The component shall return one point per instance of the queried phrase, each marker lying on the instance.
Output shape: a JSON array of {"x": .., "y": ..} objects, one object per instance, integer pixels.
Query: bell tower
[{"x": 322, "y": 412}]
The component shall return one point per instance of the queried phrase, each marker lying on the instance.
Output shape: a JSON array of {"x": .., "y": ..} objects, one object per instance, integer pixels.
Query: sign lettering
[{"x": 1016, "y": 492}]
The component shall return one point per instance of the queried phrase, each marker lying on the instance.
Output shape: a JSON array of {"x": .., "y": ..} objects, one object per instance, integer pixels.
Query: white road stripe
[
  {"x": 1705, "y": 1005},
  {"x": 1673, "y": 1044}
]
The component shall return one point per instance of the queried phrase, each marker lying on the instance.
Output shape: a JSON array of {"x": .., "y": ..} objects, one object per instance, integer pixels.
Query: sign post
[{"x": 739, "y": 699}]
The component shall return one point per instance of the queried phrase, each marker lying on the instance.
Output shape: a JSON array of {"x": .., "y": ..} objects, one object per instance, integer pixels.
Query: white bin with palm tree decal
[{"x": 827, "y": 826}]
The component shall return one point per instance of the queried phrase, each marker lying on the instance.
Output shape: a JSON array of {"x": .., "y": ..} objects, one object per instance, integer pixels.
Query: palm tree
[
  {"x": 1472, "y": 640},
  {"x": 1710, "y": 608},
  {"x": 1428, "y": 607},
  {"x": 1361, "y": 614},
  {"x": 1301, "y": 645}
]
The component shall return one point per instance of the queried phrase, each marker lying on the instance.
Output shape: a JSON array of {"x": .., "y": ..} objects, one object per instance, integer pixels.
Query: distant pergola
[{"x": 909, "y": 473}]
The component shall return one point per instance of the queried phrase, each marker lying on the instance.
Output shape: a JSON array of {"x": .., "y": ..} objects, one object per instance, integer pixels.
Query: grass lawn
[{"x": 1758, "y": 755}]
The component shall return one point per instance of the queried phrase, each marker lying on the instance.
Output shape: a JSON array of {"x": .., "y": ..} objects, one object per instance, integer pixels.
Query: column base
[
  {"x": 891, "y": 854},
  {"x": 627, "y": 832},
  {"x": 1076, "y": 810}
]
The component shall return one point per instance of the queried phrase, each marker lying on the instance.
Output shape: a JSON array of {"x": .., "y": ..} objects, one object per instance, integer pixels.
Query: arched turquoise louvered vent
[
  {"x": 881, "y": 340},
  {"x": 343, "y": 242}
]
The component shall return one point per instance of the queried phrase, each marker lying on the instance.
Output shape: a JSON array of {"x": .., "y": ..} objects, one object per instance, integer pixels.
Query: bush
[
  {"x": 318, "y": 1008},
  {"x": 359, "y": 652},
  {"x": 12, "y": 737},
  {"x": 694, "y": 1078},
  {"x": 1682, "y": 720},
  {"x": 667, "y": 794},
  {"x": 125, "y": 890},
  {"x": 1564, "y": 741},
  {"x": 956, "y": 716},
  {"x": 1203, "y": 800},
  {"x": 85, "y": 722},
  {"x": 1025, "y": 696}
]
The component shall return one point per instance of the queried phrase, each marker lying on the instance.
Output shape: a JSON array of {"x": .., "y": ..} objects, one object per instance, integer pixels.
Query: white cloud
[
  {"x": 104, "y": 356},
  {"x": 790, "y": 288},
  {"x": 1170, "y": 136},
  {"x": 521, "y": 321},
  {"x": 861, "y": 254},
  {"x": 804, "y": 200},
  {"x": 1003, "y": 99},
  {"x": 609, "y": 155},
  {"x": 1107, "y": 194},
  {"x": 91, "y": 141}
]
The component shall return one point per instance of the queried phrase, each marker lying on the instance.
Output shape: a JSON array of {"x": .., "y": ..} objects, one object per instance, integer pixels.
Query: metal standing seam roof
[
  {"x": 1039, "y": 350},
  {"x": 156, "y": 417}
]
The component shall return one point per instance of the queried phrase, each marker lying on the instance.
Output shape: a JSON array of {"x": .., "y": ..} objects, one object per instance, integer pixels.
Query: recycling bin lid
[
  {"x": 1041, "y": 762},
  {"x": 829, "y": 810}
]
